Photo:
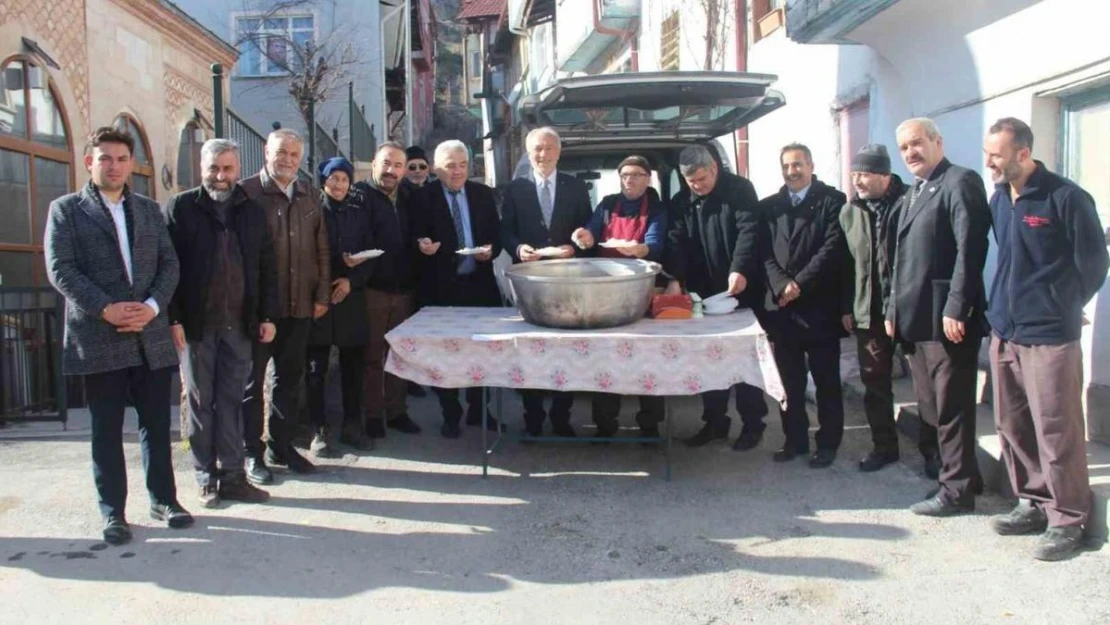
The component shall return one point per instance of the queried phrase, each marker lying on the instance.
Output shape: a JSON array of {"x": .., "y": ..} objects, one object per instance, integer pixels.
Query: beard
[{"x": 218, "y": 195}]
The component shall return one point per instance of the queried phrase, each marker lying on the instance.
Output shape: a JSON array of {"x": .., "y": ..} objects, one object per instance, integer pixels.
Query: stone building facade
[{"x": 70, "y": 66}]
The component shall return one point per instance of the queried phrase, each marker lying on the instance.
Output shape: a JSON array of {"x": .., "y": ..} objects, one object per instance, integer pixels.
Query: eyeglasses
[
  {"x": 633, "y": 175},
  {"x": 417, "y": 166}
]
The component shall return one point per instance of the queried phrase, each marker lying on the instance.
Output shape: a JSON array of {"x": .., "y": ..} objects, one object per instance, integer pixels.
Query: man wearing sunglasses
[{"x": 416, "y": 167}]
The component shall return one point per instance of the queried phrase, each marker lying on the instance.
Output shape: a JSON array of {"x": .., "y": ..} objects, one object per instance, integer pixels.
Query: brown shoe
[{"x": 242, "y": 490}]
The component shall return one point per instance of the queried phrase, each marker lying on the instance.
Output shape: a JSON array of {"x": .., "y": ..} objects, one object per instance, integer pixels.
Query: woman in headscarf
[
  {"x": 637, "y": 219},
  {"x": 345, "y": 325}
]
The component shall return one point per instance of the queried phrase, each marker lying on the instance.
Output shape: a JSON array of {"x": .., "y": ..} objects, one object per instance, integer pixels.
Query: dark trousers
[
  {"x": 944, "y": 375},
  {"x": 750, "y": 405},
  {"x": 352, "y": 372},
  {"x": 607, "y": 407},
  {"x": 215, "y": 370},
  {"x": 288, "y": 352},
  {"x": 386, "y": 394},
  {"x": 876, "y": 363},
  {"x": 1038, "y": 403},
  {"x": 452, "y": 409},
  {"x": 150, "y": 392},
  {"x": 534, "y": 414},
  {"x": 795, "y": 359}
]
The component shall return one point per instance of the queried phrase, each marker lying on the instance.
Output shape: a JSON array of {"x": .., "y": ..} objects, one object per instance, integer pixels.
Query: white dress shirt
[
  {"x": 116, "y": 209},
  {"x": 538, "y": 177}
]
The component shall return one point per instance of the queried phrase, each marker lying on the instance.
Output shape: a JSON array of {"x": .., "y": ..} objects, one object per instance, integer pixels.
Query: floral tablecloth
[{"x": 458, "y": 347}]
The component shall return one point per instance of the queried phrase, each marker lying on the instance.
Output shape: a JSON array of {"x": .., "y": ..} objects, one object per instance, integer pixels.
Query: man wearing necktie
[
  {"x": 936, "y": 305},
  {"x": 803, "y": 257},
  {"x": 458, "y": 215},
  {"x": 542, "y": 211}
]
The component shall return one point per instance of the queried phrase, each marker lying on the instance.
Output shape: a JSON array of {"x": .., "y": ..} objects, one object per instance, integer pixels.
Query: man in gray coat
[{"x": 109, "y": 254}]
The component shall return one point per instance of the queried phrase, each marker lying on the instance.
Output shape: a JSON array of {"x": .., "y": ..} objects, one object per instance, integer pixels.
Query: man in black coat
[
  {"x": 713, "y": 247},
  {"x": 227, "y": 295},
  {"x": 391, "y": 291},
  {"x": 803, "y": 258},
  {"x": 456, "y": 214},
  {"x": 538, "y": 211},
  {"x": 937, "y": 302}
]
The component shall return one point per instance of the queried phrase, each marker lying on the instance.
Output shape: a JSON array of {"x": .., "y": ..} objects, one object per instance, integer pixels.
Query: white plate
[
  {"x": 471, "y": 251},
  {"x": 717, "y": 298},
  {"x": 716, "y": 311},
  {"x": 614, "y": 243},
  {"x": 550, "y": 251},
  {"x": 367, "y": 254}
]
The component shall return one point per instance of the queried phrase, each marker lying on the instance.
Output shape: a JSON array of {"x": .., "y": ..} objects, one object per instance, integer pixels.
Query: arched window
[
  {"x": 142, "y": 173},
  {"x": 188, "y": 156},
  {"x": 35, "y": 166}
]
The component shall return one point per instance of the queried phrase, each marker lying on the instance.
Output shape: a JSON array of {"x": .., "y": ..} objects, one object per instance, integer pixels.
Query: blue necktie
[{"x": 466, "y": 263}]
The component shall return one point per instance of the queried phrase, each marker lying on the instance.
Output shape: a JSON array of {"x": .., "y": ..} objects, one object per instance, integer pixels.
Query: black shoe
[
  {"x": 403, "y": 424},
  {"x": 357, "y": 440},
  {"x": 748, "y": 439},
  {"x": 1025, "y": 518},
  {"x": 606, "y": 432},
  {"x": 242, "y": 490},
  {"x": 450, "y": 430},
  {"x": 822, "y": 458},
  {"x": 117, "y": 531},
  {"x": 876, "y": 460},
  {"x": 1058, "y": 543},
  {"x": 938, "y": 507},
  {"x": 375, "y": 428},
  {"x": 932, "y": 466},
  {"x": 296, "y": 462},
  {"x": 788, "y": 453},
  {"x": 492, "y": 424},
  {"x": 415, "y": 390},
  {"x": 172, "y": 514},
  {"x": 707, "y": 434},
  {"x": 258, "y": 472},
  {"x": 564, "y": 430}
]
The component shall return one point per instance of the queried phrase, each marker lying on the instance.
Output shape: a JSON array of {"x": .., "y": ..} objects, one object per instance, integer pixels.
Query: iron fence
[
  {"x": 252, "y": 144},
  {"x": 363, "y": 143},
  {"x": 32, "y": 387}
]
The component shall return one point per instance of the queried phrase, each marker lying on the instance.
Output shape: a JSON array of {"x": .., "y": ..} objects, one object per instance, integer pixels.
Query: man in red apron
[{"x": 634, "y": 221}]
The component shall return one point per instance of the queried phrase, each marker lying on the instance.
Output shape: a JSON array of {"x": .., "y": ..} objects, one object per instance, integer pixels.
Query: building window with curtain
[
  {"x": 272, "y": 45},
  {"x": 35, "y": 167},
  {"x": 142, "y": 171}
]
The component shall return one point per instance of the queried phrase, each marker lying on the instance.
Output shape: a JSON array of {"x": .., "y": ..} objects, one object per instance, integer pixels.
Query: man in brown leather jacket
[{"x": 303, "y": 289}]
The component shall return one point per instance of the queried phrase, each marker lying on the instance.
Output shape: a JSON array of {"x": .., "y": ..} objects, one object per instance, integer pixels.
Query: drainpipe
[{"x": 740, "y": 137}]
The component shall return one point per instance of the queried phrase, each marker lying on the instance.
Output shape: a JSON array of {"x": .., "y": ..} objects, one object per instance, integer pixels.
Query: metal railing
[
  {"x": 252, "y": 144},
  {"x": 32, "y": 387},
  {"x": 327, "y": 144},
  {"x": 363, "y": 143}
]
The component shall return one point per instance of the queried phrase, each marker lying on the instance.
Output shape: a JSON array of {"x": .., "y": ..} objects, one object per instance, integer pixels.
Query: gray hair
[
  {"x": 215, "y": 147},
  {"x": 928, "y": 125},
  {"x": 542, "y": 131},
  {"x": 284, "y": 134},
  {"x": 695, "y": 158},
  {"x": 451, "y": 146}
]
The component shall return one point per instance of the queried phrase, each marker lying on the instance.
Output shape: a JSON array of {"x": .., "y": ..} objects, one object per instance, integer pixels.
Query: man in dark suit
[
  {"x": 937, "y": 302},
  {"x": 713, "y": 247},
  {"x": 544, "y": 210},
  {"x": 109, "y": 254},
  {"x": 457, "y": 214},
  {"x": 803, "y": 258}
]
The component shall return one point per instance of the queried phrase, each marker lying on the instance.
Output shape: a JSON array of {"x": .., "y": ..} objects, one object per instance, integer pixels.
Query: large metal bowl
[{"x": 582, "y": 293}]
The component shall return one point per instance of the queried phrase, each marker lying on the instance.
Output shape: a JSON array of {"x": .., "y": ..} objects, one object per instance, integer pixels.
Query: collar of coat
[
  {"x": 269, "y": 185},
  {"x": 816, "y": 189},
  {"x": 895, "y": 191}
]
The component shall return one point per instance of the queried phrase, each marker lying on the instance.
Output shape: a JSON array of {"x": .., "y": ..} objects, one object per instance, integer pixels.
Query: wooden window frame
[
  {"x": 142, "y": 169},
  {"x": 33, "y": 151}
]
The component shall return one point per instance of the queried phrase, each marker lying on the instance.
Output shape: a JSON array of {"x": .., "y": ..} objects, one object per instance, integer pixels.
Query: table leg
[
  {"x": 485, "y": 422},
  {"x": 668, "y": 417}
]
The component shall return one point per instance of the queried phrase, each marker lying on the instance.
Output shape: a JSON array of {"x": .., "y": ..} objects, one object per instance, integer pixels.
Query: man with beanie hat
[
  {"x": 865, "y": 221},
  {"x": 416, "y": 167}
]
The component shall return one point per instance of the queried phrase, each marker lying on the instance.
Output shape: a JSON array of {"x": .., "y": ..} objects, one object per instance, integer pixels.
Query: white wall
[{"x": 816, "y": 80}]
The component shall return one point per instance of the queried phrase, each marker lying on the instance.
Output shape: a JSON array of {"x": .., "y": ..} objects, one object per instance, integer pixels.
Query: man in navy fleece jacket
[{"x": 1052, "y": 259}]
